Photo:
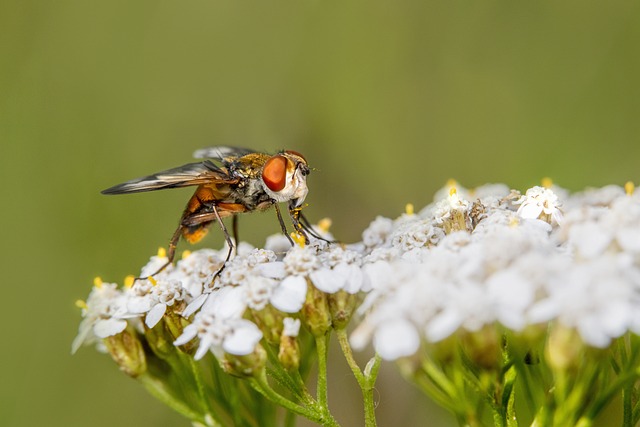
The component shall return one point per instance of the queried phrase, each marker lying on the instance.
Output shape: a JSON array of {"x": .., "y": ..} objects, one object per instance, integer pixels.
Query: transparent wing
[
  {"x": 183, "y": 176},
  {"x": 221, "y": 152}
]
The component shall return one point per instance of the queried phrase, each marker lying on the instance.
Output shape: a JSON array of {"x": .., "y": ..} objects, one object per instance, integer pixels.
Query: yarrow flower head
[
  {"x": 220, "y": 328},
  {"x": 197, "y": 270},
  {"x": 509, "y": 268},
  {"x": 340, "y": 271},
  {"x": 474, "y": 286},
  {"x": 103, "y": 315},
  {"x": 452, "y": 214},
  {"x": 540, "y": 203},
  {"x": 151, "y": 298}
]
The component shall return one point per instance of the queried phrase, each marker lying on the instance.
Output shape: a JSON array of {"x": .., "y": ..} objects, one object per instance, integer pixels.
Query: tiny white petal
[
  {"x": 83, "y": 333},
  {"x": 140, "y": 304},
  {"x": 275, "y": 270},
  {"x": 629, "y": 238},
  {"x": 592, "y": 334},
  {"x": 278, "y": 243},
  {"x": 443, "y": 325},
  {"x": 327, "y": 280},
  {"x": 243, "y": 339},
  {"x": 355, "y": 280},
  {"x": 195, "y": 305},
  {"x": 379, "y": 273},
  {"x": 227, "y": 302},
  {"x": 512, "y": 295},
  {"x": 109, "y": 327},
  {"x": 189, "y": 333},
  {"x": 589, "y": 238},
  {"x": 361, "y": 336},
  {"x": 530, "y": 211},
  {"x": 395, "y": 339},
  {"x": 290, "y": 295},
  {"x": 155, "y": 314},
  {"x": 291, "y": 327},
  {"x": 205, "y": 344}
]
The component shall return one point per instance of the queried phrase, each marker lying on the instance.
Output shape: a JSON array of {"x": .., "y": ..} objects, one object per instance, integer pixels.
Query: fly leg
[
  {"x": 173, "y": 243},
  {"x": 227, "y": 238},
  {"x": 295, "y": 213},
  {"x": 234, "y": 227},
  {"x": 282, "y": 226},
  {"x": 207, "y": 217},
  {"x": 309, "y": 229},
  {"x": 200, "y": 221}
]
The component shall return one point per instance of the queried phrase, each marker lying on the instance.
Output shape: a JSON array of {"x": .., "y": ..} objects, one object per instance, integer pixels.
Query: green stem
[
  {"x": 283, "y": 377},
  {"x": 627, "y": 405},
  {"x": 606, "y": 396},
  {"x": 371, "y": 375},
  {"x": 290, "y": 419},
  {"x": 426, "y": 385},
  {"x": 159, "y": 390},
  {"x": 502, "y": 402},
  {"x": 366, "y": 380},
  {"x": 322, "y": 348},
  {"x": 202, "y": 393},
  {"x": 306, "y": 398},
  {"x": 317, "y": 415},
  {"x": 528, "y": 385},
  {"x": 635, "y": 417},
  {"x": 348, "y": 355},
  {"x": 584, "y": 422},
  {"x": 512, "y": 420},
  {"x": 440, "y": 380}
]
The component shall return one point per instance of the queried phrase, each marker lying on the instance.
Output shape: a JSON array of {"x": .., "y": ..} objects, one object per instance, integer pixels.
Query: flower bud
[
  {"x": 457, "y": 222},
  {"x": 269, "y": 320},
  {"x": 289, "y": 351},
  {"x": 173, "y": 322},
  {"x": 126, "y": 350},
  {"x": 162, "y": 336},
  {"x": 564, "y": 348},
  {"x": 484, "y": 347},
  {"x": 341, "y": 306},
  {"x": 160, "y": 340},
  {"x": 250, "y": 365},
  {"x": 315, "y": 312}
]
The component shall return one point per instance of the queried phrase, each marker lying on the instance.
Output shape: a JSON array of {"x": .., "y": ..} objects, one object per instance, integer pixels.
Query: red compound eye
[{"x": 274, "y": 173}]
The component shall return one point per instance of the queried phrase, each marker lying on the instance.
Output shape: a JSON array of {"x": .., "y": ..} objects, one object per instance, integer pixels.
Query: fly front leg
[
  {"x": 282, "y": 226},
  {"x": 295, "y": 213},
  {"x": 309, "y": 228}
]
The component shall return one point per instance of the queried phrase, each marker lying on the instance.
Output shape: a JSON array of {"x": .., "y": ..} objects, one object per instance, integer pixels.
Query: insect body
[{"x": 244, "y": 181}]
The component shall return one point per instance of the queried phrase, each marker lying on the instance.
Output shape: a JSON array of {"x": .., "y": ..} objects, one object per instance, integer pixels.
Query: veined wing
[
  {"x": 190, "y": 174},
  {"x": 221, "y": 152}
]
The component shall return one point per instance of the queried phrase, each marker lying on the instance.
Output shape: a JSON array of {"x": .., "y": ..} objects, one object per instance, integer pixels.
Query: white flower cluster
[
  {"x": 217, "y": 306},
  {"x": 515, "y": 260},
  {"x": 469, "y": 260}
]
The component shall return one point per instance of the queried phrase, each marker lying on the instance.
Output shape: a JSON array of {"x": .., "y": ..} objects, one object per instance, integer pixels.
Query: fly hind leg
[
  {"x": 173, "y": 243},
  {"x": 227, "y": 238},
  {"x": 193, "y": 227},
  {"x": 199, "y": 222}
]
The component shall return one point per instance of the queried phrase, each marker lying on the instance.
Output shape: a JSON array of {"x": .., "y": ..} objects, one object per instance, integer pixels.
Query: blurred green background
[{"x": 386, "y": 99}]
